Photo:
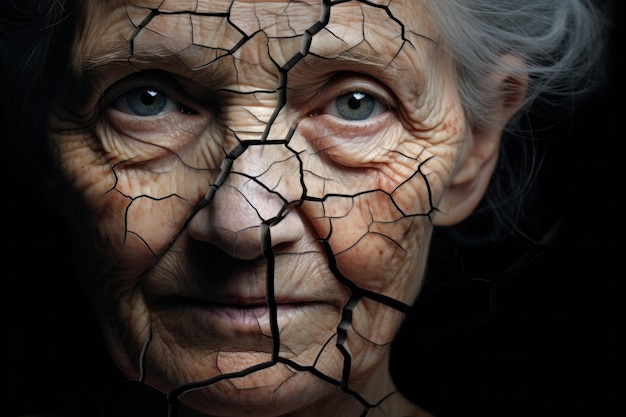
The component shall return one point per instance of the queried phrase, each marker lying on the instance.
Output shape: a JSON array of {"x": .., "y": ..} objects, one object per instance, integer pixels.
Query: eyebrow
[
  {"x": 115, "y": 55},
  {"x": 359, "y": 59},
  {"x": 374, "y": 61},
  {"x": 119, "y": 54},
  {"x": 115, "y": 62}
]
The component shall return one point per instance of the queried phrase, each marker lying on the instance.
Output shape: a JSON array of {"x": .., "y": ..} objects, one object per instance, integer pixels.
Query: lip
[
  {"x": 245, "y": 311},
  {"x": 241, "y": 316}
]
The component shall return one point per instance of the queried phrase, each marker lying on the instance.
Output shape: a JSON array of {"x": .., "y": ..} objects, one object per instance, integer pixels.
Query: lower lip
[
  {"x": 243, "y": 319},
  {"x": 239, "y": 314}
]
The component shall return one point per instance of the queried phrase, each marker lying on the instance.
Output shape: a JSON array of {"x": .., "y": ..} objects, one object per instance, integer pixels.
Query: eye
[
  {"x": 355, "y": 106},
  {"x": 148, "y": 101}
]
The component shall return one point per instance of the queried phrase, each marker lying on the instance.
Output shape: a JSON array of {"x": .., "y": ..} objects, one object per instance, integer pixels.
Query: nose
[{"x": 254, "y": 209}]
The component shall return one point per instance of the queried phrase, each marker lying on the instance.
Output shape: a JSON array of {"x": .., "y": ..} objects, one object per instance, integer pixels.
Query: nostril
[{"x": 245, "y": 244}]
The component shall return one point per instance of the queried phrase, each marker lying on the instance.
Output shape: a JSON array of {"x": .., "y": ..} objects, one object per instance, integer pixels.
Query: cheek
[
  {"x": 378, "y": 253},
  {"x": 376, "y": 238},
  {"x": 376, "y": 219},
  {"x": 123, "y": 215}
]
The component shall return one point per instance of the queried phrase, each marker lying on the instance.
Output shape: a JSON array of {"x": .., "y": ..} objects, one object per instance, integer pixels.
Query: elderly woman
[{"x": 252, "y": 186}]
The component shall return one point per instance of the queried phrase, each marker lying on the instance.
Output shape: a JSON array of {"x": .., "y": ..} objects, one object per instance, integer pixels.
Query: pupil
[
  {"x": 354, "y": 103},
  {"x": 147, "y": 97}
]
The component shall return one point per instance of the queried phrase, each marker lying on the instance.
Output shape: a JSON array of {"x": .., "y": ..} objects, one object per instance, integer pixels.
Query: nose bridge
[{"x": 267, "y": 175}]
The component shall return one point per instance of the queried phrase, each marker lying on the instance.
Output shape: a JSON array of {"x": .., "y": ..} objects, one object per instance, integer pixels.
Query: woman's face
[{"x": 252, "y": 186}]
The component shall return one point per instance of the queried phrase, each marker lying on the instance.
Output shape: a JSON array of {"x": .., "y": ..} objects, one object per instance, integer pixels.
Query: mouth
[{"x": 238, "y": 316}]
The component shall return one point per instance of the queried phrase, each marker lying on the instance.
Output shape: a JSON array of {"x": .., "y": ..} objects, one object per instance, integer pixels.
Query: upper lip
[
  {"x": 240, "y": 288},
  {"x": 235, "y": 301}
]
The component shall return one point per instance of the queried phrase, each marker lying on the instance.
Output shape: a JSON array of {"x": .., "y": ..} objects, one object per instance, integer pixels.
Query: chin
[{"x": 275, "y": 390}]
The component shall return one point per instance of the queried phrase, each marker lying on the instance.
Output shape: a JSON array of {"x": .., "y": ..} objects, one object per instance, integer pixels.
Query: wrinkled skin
[{"x": 252, "y": 211}]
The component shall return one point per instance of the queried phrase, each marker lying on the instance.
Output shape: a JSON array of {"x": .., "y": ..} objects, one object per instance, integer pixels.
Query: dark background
[
  {"x": 513, "y": 330},
  {"x": 524, "y": 330}
]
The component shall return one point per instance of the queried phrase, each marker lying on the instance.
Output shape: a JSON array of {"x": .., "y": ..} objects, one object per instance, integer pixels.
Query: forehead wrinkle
[
  {"x": 111, "y": 57},
  {"x": 112, "y": 50}
]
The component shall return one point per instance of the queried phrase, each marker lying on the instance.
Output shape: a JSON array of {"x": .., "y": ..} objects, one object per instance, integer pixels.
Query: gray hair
[
  {"x": 558, "y": 41},
  {"x": 559, "y": 46}
]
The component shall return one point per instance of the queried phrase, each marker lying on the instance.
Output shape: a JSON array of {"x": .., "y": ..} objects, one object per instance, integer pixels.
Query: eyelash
[
  {"x": 147, "y": 96},
  {"x": 350, "y": 91},
  {"x": 150, "y": 93}
]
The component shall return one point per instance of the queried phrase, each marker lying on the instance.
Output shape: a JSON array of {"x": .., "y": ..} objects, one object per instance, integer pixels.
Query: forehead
[
  {"x": 197, "y": 33},
  {"x": 264, "y": 13}
]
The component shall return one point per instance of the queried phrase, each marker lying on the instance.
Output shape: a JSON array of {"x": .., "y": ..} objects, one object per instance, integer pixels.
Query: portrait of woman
[{"x": 311, "y": 208}]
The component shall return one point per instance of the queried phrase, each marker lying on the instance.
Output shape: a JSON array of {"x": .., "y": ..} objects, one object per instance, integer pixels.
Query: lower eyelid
[
  {"x": 157, "y": 125},
  {"x": 150, "y": 138},
  {"x": 326, "y": 131}
]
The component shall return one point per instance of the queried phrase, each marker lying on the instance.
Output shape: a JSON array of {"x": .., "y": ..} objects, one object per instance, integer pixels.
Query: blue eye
[
  {"x": 145, "y": 101},
  {"x": 356, "y": 106},
  {"x": 148, "y": 101}
]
